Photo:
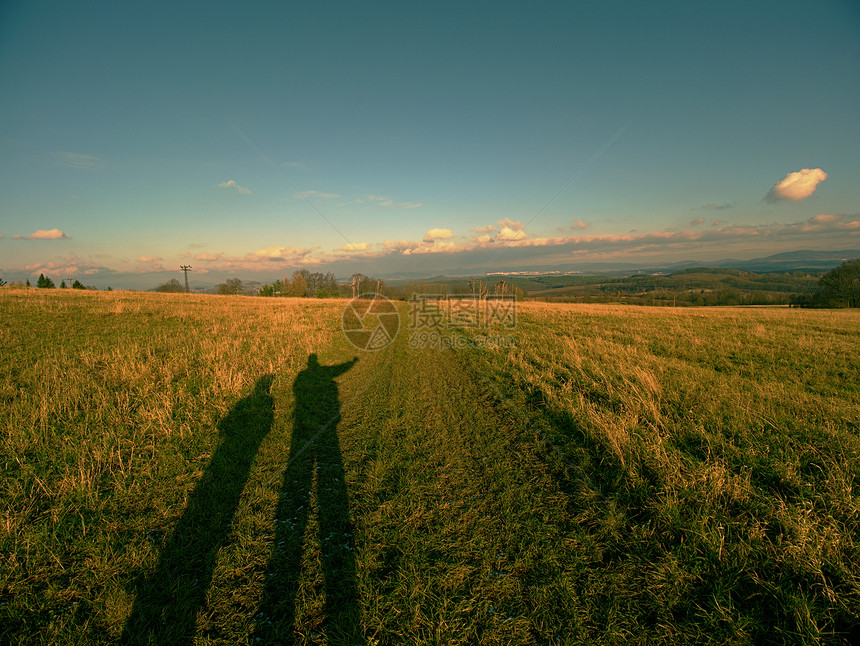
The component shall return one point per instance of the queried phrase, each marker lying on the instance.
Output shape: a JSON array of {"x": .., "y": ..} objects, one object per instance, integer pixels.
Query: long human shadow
[
  {"x": 314, "y": 451},
  {"x": 167, "y": 602}
]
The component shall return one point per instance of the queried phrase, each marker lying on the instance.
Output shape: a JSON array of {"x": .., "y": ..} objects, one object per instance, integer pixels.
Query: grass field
[{"x": 226, "y": 470}]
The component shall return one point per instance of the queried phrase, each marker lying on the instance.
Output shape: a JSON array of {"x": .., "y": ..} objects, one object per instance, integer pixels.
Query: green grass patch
[{"x": 711, "y": 461}]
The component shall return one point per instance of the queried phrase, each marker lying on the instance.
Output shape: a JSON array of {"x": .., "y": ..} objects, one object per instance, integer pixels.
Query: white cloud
[
  {"x": 231, "y": 183},
  {"x": 438, "y": 234},
  {"x": 507, "y": 223},
  {"x": 510, "y": 234},
  {"x": 796, "y": 186},
  {"x": 45, "y": 234},
  {"x": 484, "y": 238},
  {"x": 148, "y": 259},
  {"x": 486, "y": 229},
  {"x": 579, "y": 224}
]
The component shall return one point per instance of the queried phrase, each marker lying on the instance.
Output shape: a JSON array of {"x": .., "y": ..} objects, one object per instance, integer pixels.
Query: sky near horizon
[{"x": 253, "y": 139}]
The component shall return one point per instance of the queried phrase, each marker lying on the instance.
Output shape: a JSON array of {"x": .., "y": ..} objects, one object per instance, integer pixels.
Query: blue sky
[{"x": 250, "y": 140}]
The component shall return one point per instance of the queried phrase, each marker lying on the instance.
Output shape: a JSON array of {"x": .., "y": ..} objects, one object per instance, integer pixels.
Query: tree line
[
  {"x": 839, "y": 287},
  {"x": 307, "y": 284},
  {"x": 45, "y": 282},
  {"x": 304, "y": 283}
]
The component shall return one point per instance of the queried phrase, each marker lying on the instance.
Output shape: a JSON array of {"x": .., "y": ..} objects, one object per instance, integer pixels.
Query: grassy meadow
[
  {"x": 710, "y": 459},
  {"x": 225, "y": 470}
]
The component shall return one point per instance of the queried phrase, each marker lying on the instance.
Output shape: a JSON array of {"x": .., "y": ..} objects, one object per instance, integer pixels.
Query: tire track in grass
[{"x": 461, "y": 530}]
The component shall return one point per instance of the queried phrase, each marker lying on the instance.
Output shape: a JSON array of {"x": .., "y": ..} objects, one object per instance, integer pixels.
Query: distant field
[
  {"x": 181, "y": 469},
  {"x": 691, "y": 287}
]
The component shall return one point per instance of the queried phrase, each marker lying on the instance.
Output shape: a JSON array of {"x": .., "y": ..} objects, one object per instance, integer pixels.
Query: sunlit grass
[
  {"x": 109, "y": 404},
  {"x": 620, "y": 474},
  {"x": 712, "y": 458}
]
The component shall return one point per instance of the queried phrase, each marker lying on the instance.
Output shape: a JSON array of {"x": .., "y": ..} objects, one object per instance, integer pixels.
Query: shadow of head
[
  {"x": 254, "y": 411},
  {"x": 263, "y": 386}
]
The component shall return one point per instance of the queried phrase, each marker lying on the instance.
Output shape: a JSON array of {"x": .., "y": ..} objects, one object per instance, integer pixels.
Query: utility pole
[
  {"x": 186, "y": 269},
  {"x": 69, "y": 283}
]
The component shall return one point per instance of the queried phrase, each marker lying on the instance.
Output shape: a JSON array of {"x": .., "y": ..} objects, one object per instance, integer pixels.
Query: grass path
[{"x": 459, "y": 522}]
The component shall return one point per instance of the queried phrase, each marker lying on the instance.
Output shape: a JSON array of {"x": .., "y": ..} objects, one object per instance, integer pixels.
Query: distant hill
[
  {"x": 809, "y": 259},
  {"x": 790, "y": 260},
  {"x": 785, "y": 261}
]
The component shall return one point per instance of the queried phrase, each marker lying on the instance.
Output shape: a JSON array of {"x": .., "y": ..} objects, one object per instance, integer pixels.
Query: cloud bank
[
  {"x": 355, "y": 247},
  {"x": 510, "y": 249},
  {"x": 438, "y": 234},
  {"x": 718, "y": 239}
]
